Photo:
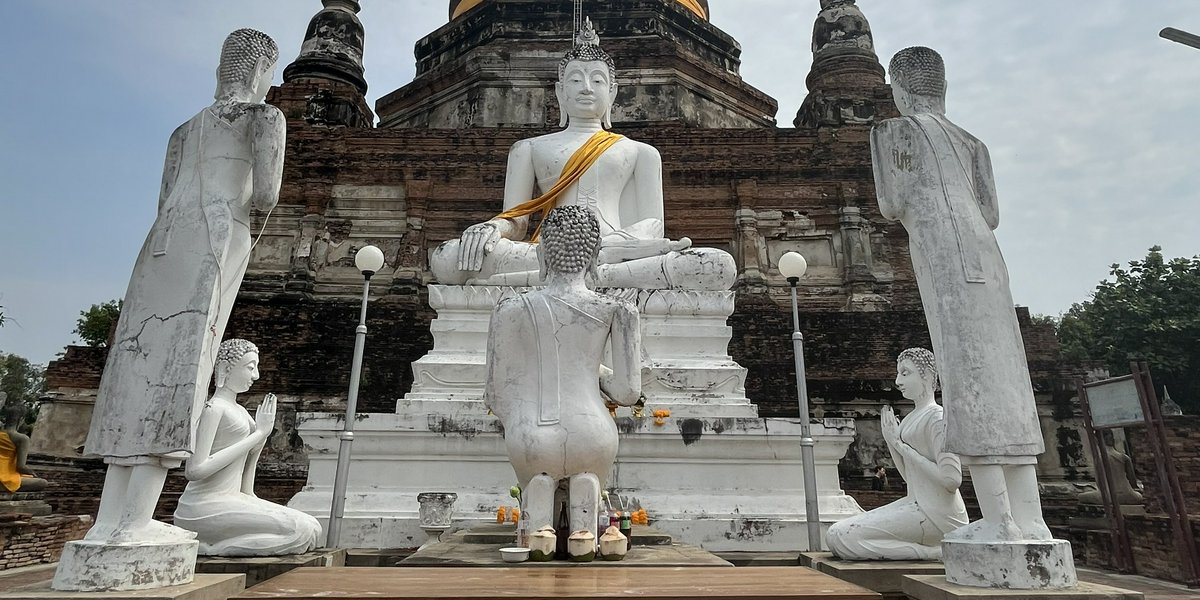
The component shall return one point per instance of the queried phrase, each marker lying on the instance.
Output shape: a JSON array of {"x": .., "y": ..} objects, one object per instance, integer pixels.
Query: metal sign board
[{"x": 1115, "y": 403}]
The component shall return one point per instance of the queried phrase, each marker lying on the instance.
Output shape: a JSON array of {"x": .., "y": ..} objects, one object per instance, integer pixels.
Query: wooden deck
[{"x": 467, "y": 583}]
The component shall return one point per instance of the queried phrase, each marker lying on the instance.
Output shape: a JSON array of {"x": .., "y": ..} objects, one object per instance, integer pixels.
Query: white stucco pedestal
[
  {"x": 1020, "y": 565},
  {"x": 719, "y": 483},
  {"x": 714, "y": 474},
  {"x": 87, "y": 566}
]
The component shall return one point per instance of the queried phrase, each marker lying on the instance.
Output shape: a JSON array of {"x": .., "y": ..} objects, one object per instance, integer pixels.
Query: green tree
[
  {"x": 95, "y": 323},
  {"x": 24, "y": 382},
  {"x": 1149, "y": 311}
]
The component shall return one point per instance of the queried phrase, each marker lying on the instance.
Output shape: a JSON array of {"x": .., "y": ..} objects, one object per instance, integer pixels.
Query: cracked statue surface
[
  {"x": 618, "y": 179},
  {"x": 220, "y": 164},
  {"x": 936, "y": 179},
  {"x": 546, "y": 381}
]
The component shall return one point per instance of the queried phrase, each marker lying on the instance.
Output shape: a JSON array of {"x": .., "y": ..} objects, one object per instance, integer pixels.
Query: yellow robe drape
[
  {"x": 10, "y": 479},
  {"x": 576, "y": 166}
]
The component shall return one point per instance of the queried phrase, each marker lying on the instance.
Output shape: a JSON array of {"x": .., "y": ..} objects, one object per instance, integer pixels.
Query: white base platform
[
  {"x": 722, "y": 484},
  {"x": 102, "y": 567},
  {"x": 1022, "y": 565}
]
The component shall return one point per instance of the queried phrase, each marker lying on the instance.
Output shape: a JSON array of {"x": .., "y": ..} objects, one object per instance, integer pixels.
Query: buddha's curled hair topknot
[
  {"x": 924, "y": 361},
  {"x": 586, "y": 49},
  {"x": 919, "y": 70},
  {"x": 240, "y": 53},
  {"x": 233, "y": 349},
  {"x": 571, "y": 239}
]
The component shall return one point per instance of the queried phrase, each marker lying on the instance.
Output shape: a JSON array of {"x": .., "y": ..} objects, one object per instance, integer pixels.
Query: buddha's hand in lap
[
  {"x": 264, "y": 417},
  {"x": 477, "y": 241}
]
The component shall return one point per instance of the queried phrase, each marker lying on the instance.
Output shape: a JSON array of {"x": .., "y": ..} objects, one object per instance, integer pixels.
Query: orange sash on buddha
[
  {"x": 9, "y": 477},
  {"x": 576, "y": 166}
]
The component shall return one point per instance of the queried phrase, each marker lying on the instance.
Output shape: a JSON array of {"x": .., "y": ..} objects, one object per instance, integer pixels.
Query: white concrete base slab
[
  {"x": 721, "y": 484},
  {"x": 202, "y": 587},
  {"x": 1021, "y": 565},
  {"x": 88, "y": 566},
  {"x": 935, "y": 587}
]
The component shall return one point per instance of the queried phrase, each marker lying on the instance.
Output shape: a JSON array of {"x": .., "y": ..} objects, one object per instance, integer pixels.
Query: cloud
[{"x": 1090, "y": 117}]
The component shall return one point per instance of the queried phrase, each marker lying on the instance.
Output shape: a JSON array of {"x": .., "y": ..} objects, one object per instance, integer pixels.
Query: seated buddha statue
[
  {"x": 618, "y": 179},
  {"x": 15, "y": 475}
]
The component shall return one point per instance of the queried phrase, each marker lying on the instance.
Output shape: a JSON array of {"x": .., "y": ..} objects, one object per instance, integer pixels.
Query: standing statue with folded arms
[
  {"x": 223, "y": 162},
  {"x": 936, "y": 179}
]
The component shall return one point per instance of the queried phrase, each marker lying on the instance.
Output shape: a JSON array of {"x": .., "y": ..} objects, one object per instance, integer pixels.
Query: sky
[{"x": 1091, "y": 119}]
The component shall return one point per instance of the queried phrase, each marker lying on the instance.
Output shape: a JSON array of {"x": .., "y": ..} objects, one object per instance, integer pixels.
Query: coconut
[
  {"x": 581, "y": 546},
  {"x": 613, "y": 544},
  {"x": 542, "y": 544}
]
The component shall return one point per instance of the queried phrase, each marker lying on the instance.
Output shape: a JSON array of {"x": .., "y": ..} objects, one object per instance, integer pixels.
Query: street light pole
[
  {"x": 1182, "y": 37},
  {"x": 368, "y": 260},
  {"x": 792, "y": 265}
]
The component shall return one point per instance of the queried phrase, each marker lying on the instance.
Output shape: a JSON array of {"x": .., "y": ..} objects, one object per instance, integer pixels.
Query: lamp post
[
  {"x": 792, "y": 266},
  {"x": 369, "y": 260}
]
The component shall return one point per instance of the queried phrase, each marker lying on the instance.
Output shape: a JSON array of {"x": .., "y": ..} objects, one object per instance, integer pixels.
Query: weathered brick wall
[
  {"x": 26, "y": 540},
  {"x": 79, "y": 368},
  {"x": 1152, "y": 541},
  {"x": 1183, "y": 437},
  {"x": 76, "y": 483}
]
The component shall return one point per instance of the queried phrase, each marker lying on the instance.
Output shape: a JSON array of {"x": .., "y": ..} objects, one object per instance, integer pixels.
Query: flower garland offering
[{"x": 502, "y": 514}]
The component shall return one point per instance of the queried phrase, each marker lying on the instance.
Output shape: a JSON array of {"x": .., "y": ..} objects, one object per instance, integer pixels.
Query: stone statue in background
[
  {"x": 15, "y": 475},
  {"x": 545, "y": 380},
  {"x": 218, "y": 503},
  {"x": 912, "y": 527},
  {"x": 936, "y": 179},
  {"x": 1120, "y": 469},
  {"x": 619, "y": 180},
  {"x": 225, "y": 161}
]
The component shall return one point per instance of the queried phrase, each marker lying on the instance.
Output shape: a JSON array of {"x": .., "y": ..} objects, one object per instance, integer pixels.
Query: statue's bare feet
[
  {"x": 1036, "y": 530},
  {"x": 152, "y": 531},
  {"x": 986, "y": 531},
  {"x": 100, "y": 532}
]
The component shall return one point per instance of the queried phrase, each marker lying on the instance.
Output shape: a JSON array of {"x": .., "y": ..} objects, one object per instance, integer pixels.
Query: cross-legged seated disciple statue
[
  {"x": 545, "y": 380},
  {"x": 936, "y": 179},
  {"x": 15, "y": 475},
  {"x": 220, "y": 164},
  {"x": 618, "y": 179},
  {"x": 218, "y": 503},
  {"x": 912, "y": 527}
]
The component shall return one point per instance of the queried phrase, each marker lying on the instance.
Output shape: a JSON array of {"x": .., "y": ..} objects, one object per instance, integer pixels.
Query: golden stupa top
[{"x": 462, "y": 6}]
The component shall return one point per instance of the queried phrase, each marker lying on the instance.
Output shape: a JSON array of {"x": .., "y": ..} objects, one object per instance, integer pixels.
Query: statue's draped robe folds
[
  {"x": 912, "y": 527},
  {"x": 229, "y": 522},
  {"x": 544, "y": 385},
  {"x": 936, "y": 179},
  {"x": 183, "y": 286}
]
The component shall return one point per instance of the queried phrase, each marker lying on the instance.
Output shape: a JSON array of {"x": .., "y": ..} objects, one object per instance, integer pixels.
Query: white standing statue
[
  {"x": 545, "y": 381},
  {"x": 936, "y": 179},
  {"x": 218, "y": 503},
  {"x": 618, "y": 179},
  {"x": 912, "y": 527},
  {"x": 220, "y": 164}
]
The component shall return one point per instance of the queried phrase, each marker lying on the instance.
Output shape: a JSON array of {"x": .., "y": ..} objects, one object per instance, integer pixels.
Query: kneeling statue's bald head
[{"x": 570, "y": 240}]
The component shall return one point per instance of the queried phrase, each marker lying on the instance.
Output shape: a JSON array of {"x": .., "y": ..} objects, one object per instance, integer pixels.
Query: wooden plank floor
[{"x": 658, "y": 583}]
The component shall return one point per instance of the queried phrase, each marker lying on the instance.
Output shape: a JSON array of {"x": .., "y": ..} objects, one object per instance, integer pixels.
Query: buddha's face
[
  {"x": 586, "y": 91},
  {"x": 910, "y": 382},
  {"x": 242, "y": 373}
]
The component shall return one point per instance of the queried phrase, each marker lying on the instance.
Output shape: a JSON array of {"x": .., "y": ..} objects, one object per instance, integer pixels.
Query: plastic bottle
[{"x": 627, "y": 530}]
